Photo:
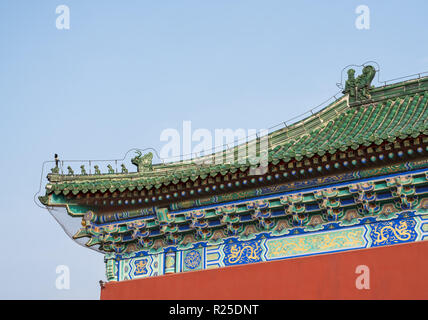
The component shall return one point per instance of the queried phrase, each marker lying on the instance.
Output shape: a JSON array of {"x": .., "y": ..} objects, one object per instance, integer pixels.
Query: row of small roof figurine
[
  {"x": 55, "y": 170},
  {"x": 97, "y": 169}
]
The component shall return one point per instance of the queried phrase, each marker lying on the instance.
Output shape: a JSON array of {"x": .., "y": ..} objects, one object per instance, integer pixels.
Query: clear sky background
[{"x": 126, "y": 70}]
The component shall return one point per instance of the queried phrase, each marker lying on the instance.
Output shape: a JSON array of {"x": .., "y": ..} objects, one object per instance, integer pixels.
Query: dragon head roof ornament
[
  {"x": 143, "y": 163},
  {"x": 359, "y": 88}
]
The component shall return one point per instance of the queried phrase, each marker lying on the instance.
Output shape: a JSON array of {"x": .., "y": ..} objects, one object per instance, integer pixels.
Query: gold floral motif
[{"x": 315, "y": 243}]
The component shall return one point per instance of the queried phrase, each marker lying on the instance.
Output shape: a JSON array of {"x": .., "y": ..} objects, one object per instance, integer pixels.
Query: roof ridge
[{"x": 310, "y": 132}]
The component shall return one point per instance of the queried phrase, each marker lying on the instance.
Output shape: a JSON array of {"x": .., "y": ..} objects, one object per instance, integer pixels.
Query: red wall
[{"x": 396, "y": 272}]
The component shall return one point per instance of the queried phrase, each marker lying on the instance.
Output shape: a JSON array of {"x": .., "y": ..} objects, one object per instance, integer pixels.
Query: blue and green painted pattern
[
  {"x": 141, "y": 267},
  {"x": 408, "y": 226},
  {"x": 79, "y": 210}
]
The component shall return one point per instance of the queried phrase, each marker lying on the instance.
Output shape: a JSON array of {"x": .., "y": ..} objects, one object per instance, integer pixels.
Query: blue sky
[{"x": 126, "y": 70}]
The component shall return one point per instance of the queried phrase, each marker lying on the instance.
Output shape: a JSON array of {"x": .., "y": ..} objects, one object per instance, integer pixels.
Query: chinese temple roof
[{"x": 363, "y": 116}]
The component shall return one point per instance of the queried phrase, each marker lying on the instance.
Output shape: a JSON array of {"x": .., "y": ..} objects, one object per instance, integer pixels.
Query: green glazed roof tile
[{"x": 339, "y": 126}]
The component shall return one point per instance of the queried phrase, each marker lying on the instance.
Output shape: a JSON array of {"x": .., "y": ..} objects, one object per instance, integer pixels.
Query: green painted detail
[
  {"x": 111, "y": 270},
  {"x": 425, "y": 227}
]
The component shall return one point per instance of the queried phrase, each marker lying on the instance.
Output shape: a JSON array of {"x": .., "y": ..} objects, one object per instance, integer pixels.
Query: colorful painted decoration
[{"x": 352, "y": 176}]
